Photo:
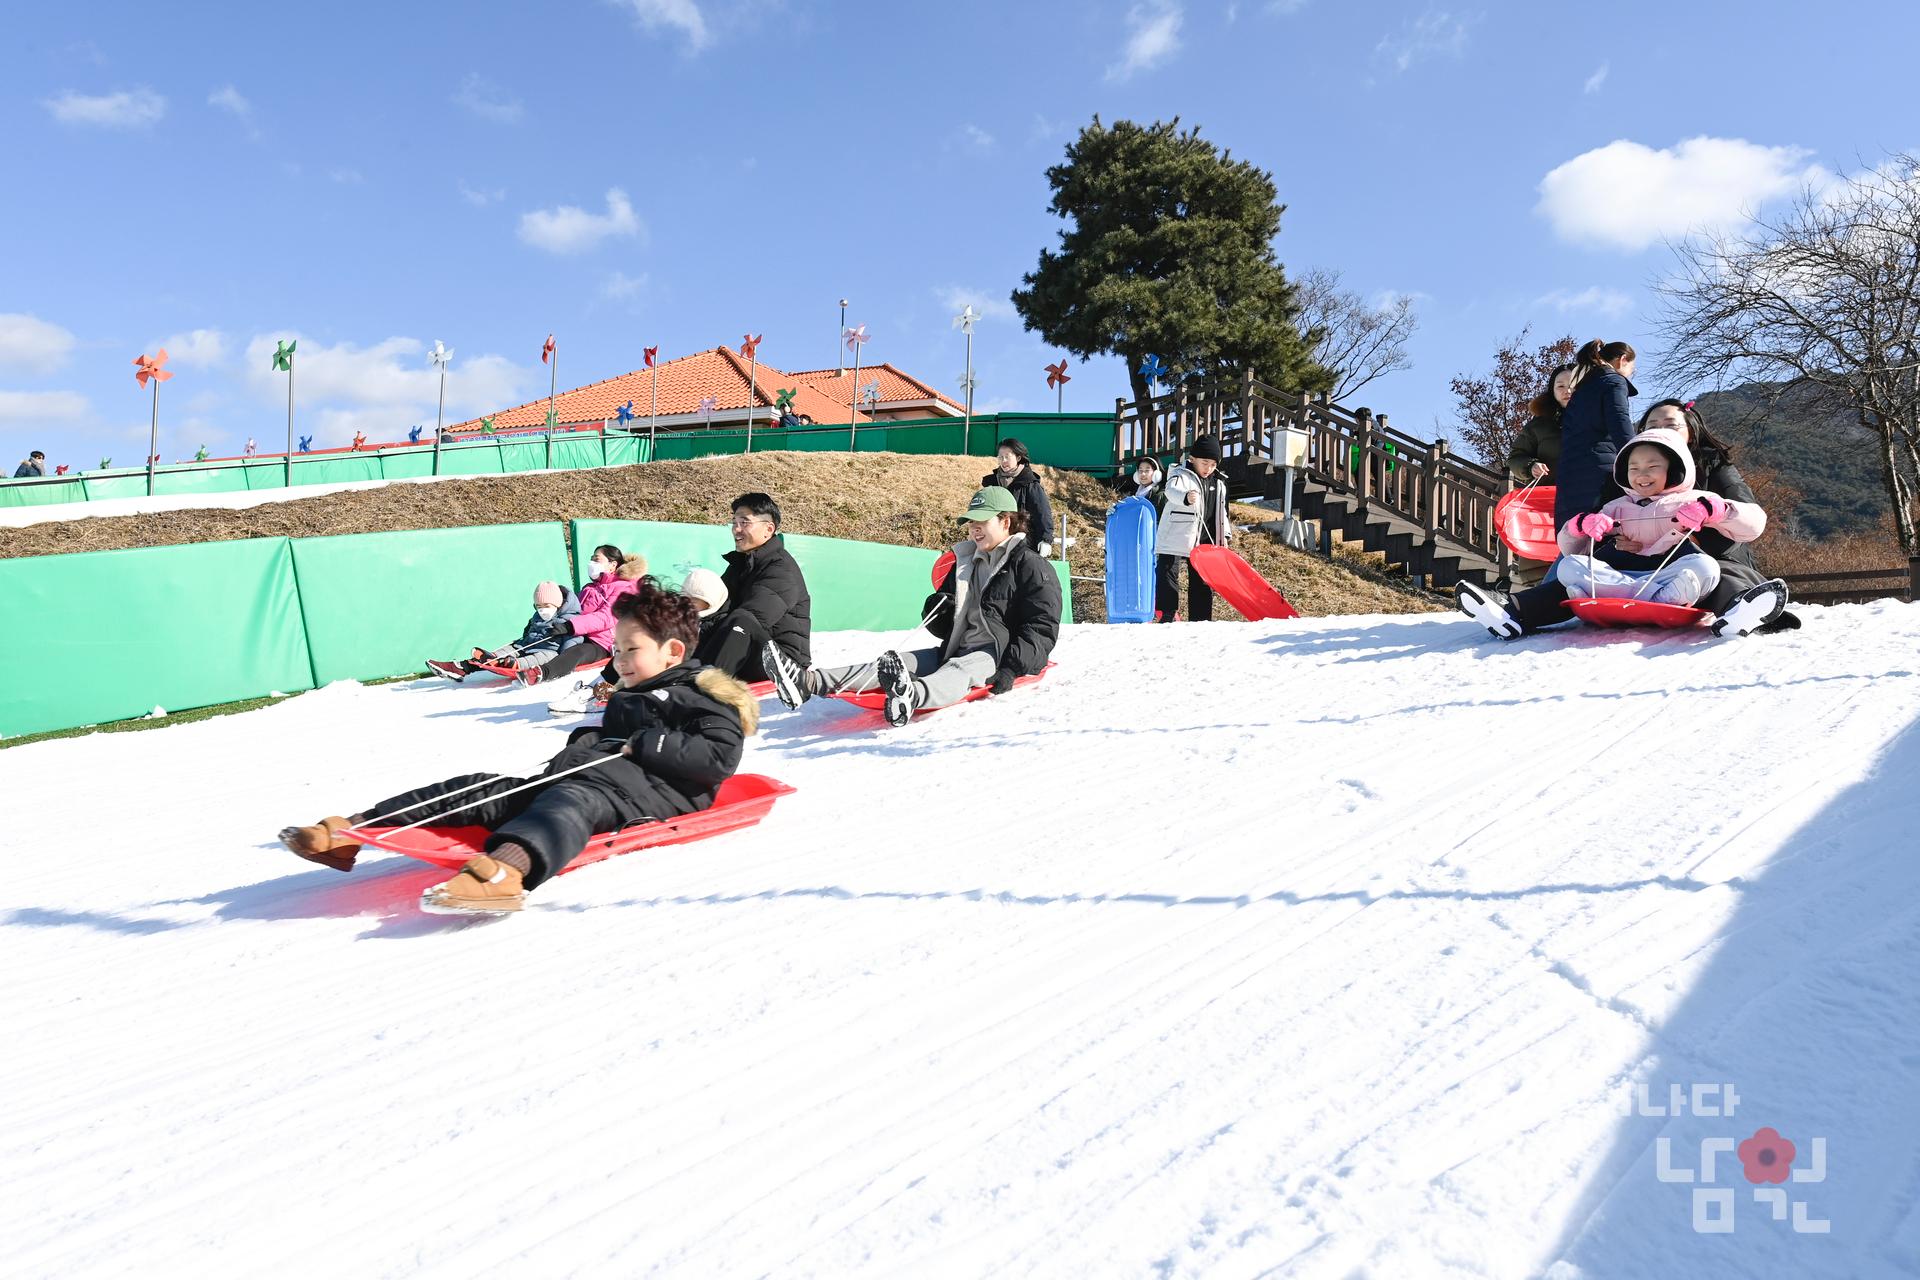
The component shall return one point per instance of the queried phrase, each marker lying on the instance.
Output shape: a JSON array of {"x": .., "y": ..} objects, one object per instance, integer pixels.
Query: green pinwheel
[
  {"x": 283, "y": 357},
  {"x": 785, "y": 398},
  {"x": 486, "y": 426},
  {"x": 200, "y": 454},
  {"x": 553, "y": 419}
]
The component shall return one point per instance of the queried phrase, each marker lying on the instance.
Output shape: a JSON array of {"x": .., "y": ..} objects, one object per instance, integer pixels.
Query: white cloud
[
  {"x": 1598, "y": 78},
  {"x": 197, "y": 347},
  {"x": 990, "y": 306},
  {"x": 974, "y": 138},
  {"x": 1628, "y": 196},
  {"x": 1595, "y": 300},
  {"x": 228, "y": 99},
  {"x": 674, "y": 15},
  {"x": 487, "y": 100},
  {"x": 381, "y": 389},
  {"x": 622, "y": 287},
  {"x": 1434, "y": 34},
  {"x": 128, "y": 109},
  {"x": 32, "y": 345},
  {"x": 480, "y": 199},
  {"x": 569, "y": 229},
  {"x": 1153, "y": 36},
  {"x": 1285, "y": 6},
  {"x": 346, "y": 177},
  {"x": 37, "y": 408}
]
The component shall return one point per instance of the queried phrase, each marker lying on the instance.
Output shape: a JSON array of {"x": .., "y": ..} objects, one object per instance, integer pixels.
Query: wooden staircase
[{"x": 1425, "y": 510}]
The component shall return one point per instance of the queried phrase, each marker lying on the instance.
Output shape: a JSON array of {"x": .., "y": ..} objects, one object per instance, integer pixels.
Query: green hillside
[{"x": 1829, "y": 457}]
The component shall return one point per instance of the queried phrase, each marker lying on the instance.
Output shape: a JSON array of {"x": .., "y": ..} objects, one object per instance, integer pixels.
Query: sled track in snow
[{"x": 1244, "y": 984}]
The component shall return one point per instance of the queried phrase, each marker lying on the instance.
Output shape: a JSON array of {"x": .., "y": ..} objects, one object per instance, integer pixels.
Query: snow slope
[
  {"x": 21, "y": 517},
  {"x": 1326, "y": 948}
]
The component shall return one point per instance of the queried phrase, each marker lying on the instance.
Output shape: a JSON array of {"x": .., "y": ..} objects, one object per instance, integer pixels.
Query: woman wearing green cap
[{"x": 997, "y": 614}]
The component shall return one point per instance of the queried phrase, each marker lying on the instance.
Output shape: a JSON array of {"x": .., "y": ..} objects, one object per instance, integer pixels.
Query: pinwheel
[
  {"x": 251, "y": 448},
  {"x": 283, "y": 363},
  {"x": 785, "y": 399},
  {"x": 1153, "y": 369},
  {"x": 200, "y": 454},
  {"x": 105, "y": 463},
  {"x": 548, "y": 350},
  {"x": 707, "y": 405},
  {"x": 750, "y": 348},
  {"x": 306, "y": 444},
  {"x": 413, "y": 435},
  {"x": 964, "y": 323},
  {"x": 856, "y": 339},
  {"x": 486, "y": 425},
  {"x": 151, "y": 369},
  {"x": 965, "y": 383},
  {"x": 872, "y": 392},
  {"x": 359, "y": 440},
  {"x": 1057, "y": 380},
  {"x": 624, "y": 413},
  {"x": 648, "y": 353},
  {"x": 440, "y": 356},
  {"x": 61, "y": 469}
]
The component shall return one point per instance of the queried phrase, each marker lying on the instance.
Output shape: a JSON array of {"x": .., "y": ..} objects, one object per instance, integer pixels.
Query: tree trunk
[{"x": 1898, "y": 495}]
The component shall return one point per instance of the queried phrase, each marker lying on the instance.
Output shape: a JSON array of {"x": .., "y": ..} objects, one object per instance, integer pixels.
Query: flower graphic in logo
[{"x": 1766, "y": 1156}]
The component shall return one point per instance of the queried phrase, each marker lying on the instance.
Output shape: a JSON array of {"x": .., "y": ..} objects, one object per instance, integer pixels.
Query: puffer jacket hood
[{"x": 1671, "y": 441}]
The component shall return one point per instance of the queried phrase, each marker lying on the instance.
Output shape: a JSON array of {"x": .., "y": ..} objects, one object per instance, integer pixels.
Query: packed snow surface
[
  {"x": 21, "y": 517},
  {"x": 1322, "y": 948}
]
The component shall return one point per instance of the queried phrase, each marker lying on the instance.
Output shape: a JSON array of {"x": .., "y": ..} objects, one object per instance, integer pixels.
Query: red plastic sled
[
  {"x": 1223, "y": 570},
  {"x": 742, "y": 801},
  {"x": 1622, "y": 611},
  {"x": 1524, "y": 519},
  {"x": 875, "y": 700},
  {"x": 941, "y": 568}
]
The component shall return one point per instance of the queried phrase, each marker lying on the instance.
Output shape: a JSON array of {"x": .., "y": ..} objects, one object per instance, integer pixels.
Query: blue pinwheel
[
  {"x": 625, "y": 413},
  {"x": 1153, "y": 369},
  {"x": 413, "y": 436},
  {"x": 306, "y": 444},
  {"x": 871, "y": 392}
]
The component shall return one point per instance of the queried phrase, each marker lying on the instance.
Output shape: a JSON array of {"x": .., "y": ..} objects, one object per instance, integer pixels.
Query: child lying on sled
[
  {"x": 1623, "y": 549},
  {"x": 672, "y": 734},
  {"x": 539, "y": 639}
]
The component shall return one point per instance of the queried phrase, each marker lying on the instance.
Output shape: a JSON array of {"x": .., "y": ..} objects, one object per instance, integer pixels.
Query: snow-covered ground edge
[{"x": 1324, "y": 948}]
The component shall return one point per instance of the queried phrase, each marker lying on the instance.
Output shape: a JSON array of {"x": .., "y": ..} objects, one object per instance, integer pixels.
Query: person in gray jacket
[{"x": 997, "y": 614}]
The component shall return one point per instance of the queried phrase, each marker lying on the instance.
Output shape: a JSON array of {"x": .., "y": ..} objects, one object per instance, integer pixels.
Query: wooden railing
[
  {"x": 1352, "y": 451},
  {"x": 1900, "y": 582}
]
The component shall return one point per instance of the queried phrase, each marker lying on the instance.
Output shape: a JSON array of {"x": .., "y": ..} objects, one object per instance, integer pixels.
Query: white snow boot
[
  {"x": 1751, "y": 609},
  {"x": 576, "y": 701},
  {"x": 1486, "y": 608}
]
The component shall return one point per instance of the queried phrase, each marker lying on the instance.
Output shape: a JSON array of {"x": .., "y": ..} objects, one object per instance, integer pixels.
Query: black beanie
[{"x": 1204, "y": 447}]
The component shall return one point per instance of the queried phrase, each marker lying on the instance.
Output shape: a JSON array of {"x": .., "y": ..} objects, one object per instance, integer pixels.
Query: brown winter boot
[
  {"x": 484, "y": 887},
  {"x": 320, "y": 843}
]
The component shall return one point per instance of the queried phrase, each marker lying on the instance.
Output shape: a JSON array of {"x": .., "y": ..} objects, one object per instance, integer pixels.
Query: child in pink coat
[
  {"x": 1615, "y": 551},
  {"x": 612, "y": 574}
]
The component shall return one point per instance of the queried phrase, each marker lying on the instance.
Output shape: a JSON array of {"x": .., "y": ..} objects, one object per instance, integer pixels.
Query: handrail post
[
  {"x": 1180, "y": 411},
  {"x": 1361, "y": 454},
  {"x": 1913, "y": 578},
  {"x": 1436, "y": 458},
  {"x": 1119, "y": 431}
]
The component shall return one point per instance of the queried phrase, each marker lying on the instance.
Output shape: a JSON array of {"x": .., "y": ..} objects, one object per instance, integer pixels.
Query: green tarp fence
[
  {"x": 1082, "y": 441},
  {"x": 193, "y": 626}
]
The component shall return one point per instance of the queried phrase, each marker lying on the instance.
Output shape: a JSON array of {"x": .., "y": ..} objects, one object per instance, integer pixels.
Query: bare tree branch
[{"x": 1352, "y": 340}]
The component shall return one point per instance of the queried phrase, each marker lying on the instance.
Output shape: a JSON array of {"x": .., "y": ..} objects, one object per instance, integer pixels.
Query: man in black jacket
[
  {"x": 767, "y": 598},
  {"x": 997, "y": 613}
]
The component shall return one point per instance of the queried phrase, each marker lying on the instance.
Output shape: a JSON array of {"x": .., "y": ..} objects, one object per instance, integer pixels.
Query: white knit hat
[{"x": 705, "y": 586}]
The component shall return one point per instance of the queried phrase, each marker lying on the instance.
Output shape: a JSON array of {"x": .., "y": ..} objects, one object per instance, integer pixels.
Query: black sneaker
[
  {"x": 449, "y": 670},
  {"x": 1752, "y": 609},
  {"x": 903, "y": 697},
  {"x": 1488, "y": 608},
  {"x": 789, "y": 682}
]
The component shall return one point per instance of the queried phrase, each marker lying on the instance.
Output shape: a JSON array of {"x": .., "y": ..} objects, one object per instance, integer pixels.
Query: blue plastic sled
[{"x": 1130, "y": 530}]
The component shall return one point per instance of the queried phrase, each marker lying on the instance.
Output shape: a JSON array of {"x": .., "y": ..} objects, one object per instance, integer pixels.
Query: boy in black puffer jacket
[
  {"x": 672, "y": 734},
  {"x": 997, "y": 612}
]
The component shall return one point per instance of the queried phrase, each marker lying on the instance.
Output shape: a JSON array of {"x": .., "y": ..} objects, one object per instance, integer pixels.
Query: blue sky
[{"x": 675, "y": 172}]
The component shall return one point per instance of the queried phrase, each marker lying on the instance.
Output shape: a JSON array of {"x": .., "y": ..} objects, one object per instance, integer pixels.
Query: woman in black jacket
[
  {"x": 1596, "y": 425},
  {"x": 1016, "y": 475},
  {"x": 997, "y": 615},
  {"x": 1536, "y": 454}
]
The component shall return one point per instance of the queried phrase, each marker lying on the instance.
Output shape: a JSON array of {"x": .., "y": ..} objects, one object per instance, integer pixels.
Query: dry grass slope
[{"x": 904, "y": 499}]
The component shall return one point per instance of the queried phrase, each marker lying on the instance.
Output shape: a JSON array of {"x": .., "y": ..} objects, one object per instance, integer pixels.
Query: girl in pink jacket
[
  {"x": 1615, "y": 551},
  {"x": 613, "y": 574}
]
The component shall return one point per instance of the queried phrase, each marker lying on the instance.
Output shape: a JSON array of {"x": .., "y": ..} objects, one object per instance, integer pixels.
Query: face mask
[
  {"x": 546, "y": 612},
  {"x": 599, "y": 567}
]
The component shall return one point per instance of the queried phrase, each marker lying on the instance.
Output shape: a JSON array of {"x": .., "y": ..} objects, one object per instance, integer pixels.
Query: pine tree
[{"x": 1169, "y": 250}]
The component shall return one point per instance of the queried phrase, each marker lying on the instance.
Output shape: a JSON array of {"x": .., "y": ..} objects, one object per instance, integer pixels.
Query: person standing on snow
[
  {"x": 997, "y": 615},
  {"x": 1016, "y": 475},
  {"x": 1594, "y": 427},
  {"x": 1193, "y": 512},
  {"x": 673, "y": 733}
]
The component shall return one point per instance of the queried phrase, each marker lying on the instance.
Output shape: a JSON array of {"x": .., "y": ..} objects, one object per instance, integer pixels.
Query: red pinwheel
[
  {"x": 648, "y": 353},
  {"x": 1057, "y": 374},
  {"x": 547, "y": 349},
  {"x": 145, "y": 367},
  {"x": 750, "y": 344}
]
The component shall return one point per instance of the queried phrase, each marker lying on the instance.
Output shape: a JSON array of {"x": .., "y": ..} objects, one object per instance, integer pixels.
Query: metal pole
[
  {"x": 552, "y": 383},
  {"x": 852, "y": 396},
  {"x": 966, "y": 428},
  {"x": 753, "y": 367},
  {"x": 153, "y": 441},
  {"x": 439, "y": 418},
  {"x": 289, "y": 421},
  {"x": 839, "y": 355},
  {"x": 653, "y": 411}
]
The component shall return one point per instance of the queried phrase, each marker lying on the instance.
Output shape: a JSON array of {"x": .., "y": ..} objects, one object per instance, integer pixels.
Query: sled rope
[{"x": 527, "y": 786}]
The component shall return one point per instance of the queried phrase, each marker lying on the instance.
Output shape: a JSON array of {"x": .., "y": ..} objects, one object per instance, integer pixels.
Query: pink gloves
[
  {"x": 1707, "y": 509},
  {"x": 1592, "y": 525}
]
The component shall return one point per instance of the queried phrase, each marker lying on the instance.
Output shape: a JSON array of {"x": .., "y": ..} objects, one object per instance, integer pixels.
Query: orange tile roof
[{"x": 721, "y": 373}]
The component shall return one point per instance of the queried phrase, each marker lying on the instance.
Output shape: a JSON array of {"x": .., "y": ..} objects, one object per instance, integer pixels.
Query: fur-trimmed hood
[
  {"x": 632, "y": 568},
  {"x": 721, "y": 687}
]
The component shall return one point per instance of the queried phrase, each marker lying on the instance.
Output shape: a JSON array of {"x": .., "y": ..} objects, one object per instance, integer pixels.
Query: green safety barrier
[
  {"x": 855, "y": 586},
  {"x": 381, "y": 604},
  {"x": 175, "y": 627}
]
